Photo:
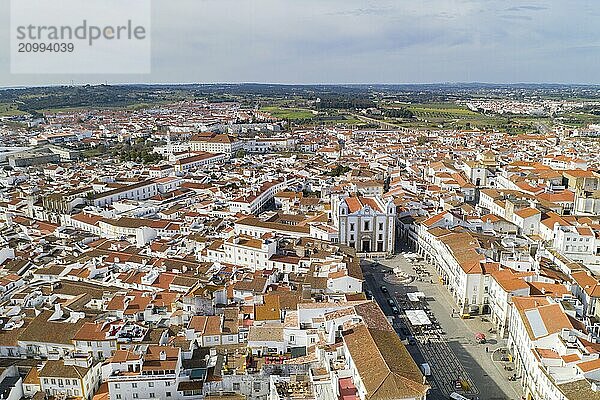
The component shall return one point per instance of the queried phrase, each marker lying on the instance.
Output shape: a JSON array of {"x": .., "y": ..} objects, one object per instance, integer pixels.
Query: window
[
  {"x": 134, "y": 385},
  {"x": 168, "y": 394},
  {"x": 236, "y": 386},
  {"x": 118, "y": 396},
  {"x": 367, "y": 225},
  {"x": 151, "y": 395},
  {"x": 117, "y": 386},
  {"x": 381, "y": 226},
  {"x": 150, "y": 384},
  {"x": 352, "y": 227},
  {"x": 168, "y": 383},
  {"x": 135, "y": 395}
]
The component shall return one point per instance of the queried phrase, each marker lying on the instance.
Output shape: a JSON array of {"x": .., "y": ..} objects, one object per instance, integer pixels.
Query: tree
[
  {"x": 401, "y": 112},
  {"x": 422, "y": 140},
  {"x": 241, "y": 153},
  {"x": 339, "y": 170}
]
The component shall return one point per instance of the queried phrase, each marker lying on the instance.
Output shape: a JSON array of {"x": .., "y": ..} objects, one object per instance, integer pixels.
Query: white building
[
  {"x": 198, "y": 160},
  {"x": 550, "y": 355},
  {"x": 249, "y": 252},
  {"x": 215, "y": 143},
  {"x": 153, "y": 374},
  {"x": 62, "y": 378},
  {"x": 577, "y": 243},
  {"x": 255, "y": 201},
  {"x": 366, "y": 224}
]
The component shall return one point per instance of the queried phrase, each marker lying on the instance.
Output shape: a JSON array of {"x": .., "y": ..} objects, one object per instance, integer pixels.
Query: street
[{"x": 458, "y": 363}]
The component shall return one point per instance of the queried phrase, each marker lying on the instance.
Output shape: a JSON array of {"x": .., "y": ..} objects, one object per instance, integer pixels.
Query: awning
[
  {"x": 417, "y": 317},
  {"x": 189, "y": 385},
  {"x": 415, "y": 296},
  {"x": 198, "y": 373},
  {"x": 347, "y": 389},
  {"x": 298, "y": 352}
]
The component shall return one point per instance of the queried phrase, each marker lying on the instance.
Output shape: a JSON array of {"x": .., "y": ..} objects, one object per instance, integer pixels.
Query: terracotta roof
[
  {"x": 587, "y": 282},
  {"x": 587, "y": 366},
  {"x": 510, "y": 280},
  {"x": 386, "y": 369},
  {"x": 356, "y": 203},
  {"x": 434, "y": 219},
  {"x": 269, "y": 310},
  {"x": 206, "y": 324},
  {"x": 527, "y": 212}
]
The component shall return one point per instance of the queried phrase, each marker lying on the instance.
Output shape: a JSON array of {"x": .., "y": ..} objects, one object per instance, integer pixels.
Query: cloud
[
  {"x": 527, "y": 8},
  {"x": 359, "y": 41},
  {"x": 363, "y": 11},
  {"x": 517, "y": 17}
]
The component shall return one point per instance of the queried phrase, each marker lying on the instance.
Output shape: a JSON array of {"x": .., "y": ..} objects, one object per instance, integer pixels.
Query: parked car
[
  {"x": 384, "y": 289},
  {"x": 391, "y": 302},
  {"x": 412, "y": 341},
  {"x": 395, "y": 310},
  {"x": 369, "y": 294}
]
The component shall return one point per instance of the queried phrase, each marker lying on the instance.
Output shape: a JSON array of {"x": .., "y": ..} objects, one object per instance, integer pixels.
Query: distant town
[{"x": 289, "y": 242}]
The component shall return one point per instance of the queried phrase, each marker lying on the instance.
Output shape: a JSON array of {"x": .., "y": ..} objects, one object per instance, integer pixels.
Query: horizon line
[{"x": 240, "y": 83}]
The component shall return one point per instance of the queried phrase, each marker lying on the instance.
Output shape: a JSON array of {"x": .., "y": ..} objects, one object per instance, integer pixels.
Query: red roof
[{"x": 356, "y": 203}]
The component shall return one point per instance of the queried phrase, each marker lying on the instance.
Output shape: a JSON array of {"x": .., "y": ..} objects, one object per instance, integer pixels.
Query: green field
[
  {"x": 578, "y": 119},
  {"x": 441, "y": 111},
  {"x": 288, "y": 113},
  {"x": 7, "y": 110},
  {"x": 456, "y": 116}
]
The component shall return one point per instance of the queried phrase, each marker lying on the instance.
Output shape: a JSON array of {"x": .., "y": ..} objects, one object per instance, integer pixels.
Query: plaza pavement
[{"x": 455, "y": 355}]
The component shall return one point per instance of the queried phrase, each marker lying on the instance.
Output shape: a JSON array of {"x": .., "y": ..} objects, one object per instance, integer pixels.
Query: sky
[{"x": 357, "y": 41}]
